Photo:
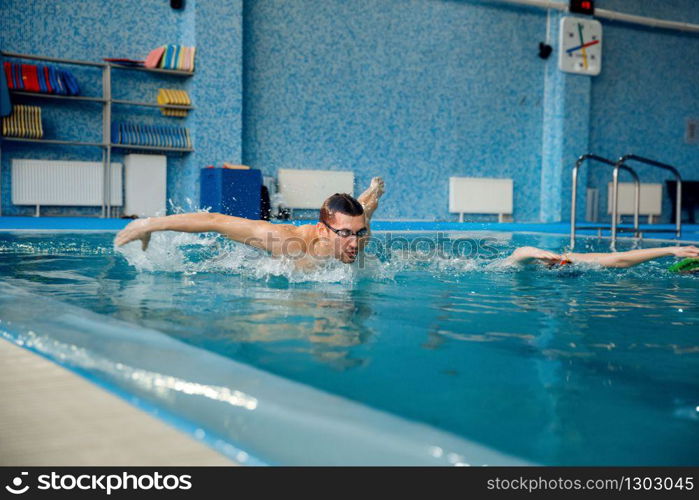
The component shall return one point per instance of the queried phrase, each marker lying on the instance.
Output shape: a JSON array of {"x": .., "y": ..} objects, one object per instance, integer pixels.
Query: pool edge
[{"x": 285, "y": 407}]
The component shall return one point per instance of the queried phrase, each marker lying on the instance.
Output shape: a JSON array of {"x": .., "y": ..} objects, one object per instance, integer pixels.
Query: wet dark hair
[{"x": 340, "y": 203}]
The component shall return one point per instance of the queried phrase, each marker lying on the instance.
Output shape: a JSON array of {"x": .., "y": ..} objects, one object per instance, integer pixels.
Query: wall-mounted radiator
[
  {"x": 145, "y": 179},
  {"x": 310, "y": 188},
  {"x": 480, "y": 195},
  {"x": 592, "y": 207},
  {"x": 651, "y": 199},
  {"x": 64, "y": 183}
]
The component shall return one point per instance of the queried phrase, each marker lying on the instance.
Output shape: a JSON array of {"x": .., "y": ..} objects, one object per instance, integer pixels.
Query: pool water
[{"x": 570, "y": 366}]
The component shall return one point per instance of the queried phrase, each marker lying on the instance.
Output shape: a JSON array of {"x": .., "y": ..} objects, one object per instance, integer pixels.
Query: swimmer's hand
[
  {"x": 136, "y": 230},
  {"x": 527, "y": 254},
  {"x": 378, "y": 186},
  {"x": 688, "y": 251}
]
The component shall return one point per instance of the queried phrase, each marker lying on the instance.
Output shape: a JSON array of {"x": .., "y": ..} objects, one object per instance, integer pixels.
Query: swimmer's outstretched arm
[
  {"x": 618, "y": 259},
  {"x": 257, "y": 233},
  {"x": 632, "y": 257},
  {"x": 525, "y": 255}
]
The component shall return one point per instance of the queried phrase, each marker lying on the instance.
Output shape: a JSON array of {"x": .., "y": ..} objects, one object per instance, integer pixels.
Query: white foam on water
[
  {"x": 203, "y": 253},
  {"x": 192, "y": 253}
]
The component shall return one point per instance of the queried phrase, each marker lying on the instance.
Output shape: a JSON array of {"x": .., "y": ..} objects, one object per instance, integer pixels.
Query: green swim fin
[{"x": 690, "y": 265}]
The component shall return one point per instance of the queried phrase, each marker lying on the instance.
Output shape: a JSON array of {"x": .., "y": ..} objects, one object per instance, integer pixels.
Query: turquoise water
[{"x": 578, "y": 366}]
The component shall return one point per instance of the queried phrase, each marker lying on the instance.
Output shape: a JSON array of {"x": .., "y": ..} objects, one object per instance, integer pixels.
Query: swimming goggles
[{"x": 346, "y": 233}]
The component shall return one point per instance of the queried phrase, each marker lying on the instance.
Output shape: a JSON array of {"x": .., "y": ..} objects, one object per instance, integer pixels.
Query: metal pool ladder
[
  {"x": 615, "y": 193},
  {"x": 617, "y": 166}
]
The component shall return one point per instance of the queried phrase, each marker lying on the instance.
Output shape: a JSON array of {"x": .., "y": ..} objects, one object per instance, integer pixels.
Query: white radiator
[
  {"x": 310, "y": 188},
  {"x": 64, "y": 183},
  {"x": 651, "y": 199},
  {"x": 480, "y": 195},
  {"x": 145, "y": 180},
  {"x": 592, "y": 208}
]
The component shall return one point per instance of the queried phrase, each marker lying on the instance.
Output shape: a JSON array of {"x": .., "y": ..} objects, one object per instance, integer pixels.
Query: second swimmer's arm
[
  {"x": 524, "y": 255},
  {"x": 618, "y": 259},
  {"x": 633, "y": 257}
]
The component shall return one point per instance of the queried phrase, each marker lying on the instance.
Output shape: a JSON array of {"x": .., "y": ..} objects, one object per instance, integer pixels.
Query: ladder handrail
[
  {"x": 573, "y": 208},
  {"x": 615, "y": 191}
]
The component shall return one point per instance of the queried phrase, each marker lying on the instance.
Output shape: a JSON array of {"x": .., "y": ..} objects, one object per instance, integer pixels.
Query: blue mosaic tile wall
[
  {"x": 91, "y": 30},
  {"x": 566, "y": 134},
  {"x": 338, "y": 85},
  {"x": 413, "y": 90},
  {"x": 647, "y": 88}
]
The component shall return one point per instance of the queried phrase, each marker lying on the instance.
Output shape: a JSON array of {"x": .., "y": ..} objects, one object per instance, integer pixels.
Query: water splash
[
  {"x": 205, "y": 253},
  {"x": 193, "y": 253}
]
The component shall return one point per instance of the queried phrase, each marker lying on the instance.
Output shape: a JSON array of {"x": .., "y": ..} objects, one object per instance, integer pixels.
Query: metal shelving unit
[
  {"x": 55, "y": 141},
  {"x": 150, "y": 105},
  {"x": 55, "y": 96},
  {"x": 107, "y": 102},
  {"x": 175, "y": 72},
  {"x": 163, "y": 148}
]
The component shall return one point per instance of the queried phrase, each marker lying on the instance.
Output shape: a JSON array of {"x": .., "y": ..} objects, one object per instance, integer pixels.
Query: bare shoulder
[
  {"x": 303, "y": 235},
  {"x": 291, "y": 240},
  {"x": 287, "y": 228},
  {"x": 306, "y": 230},
  {"x": 286, "y": 231}
]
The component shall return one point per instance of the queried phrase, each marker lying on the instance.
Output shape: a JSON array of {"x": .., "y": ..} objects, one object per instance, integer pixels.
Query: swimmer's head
[{"x": 343, "y": 223}]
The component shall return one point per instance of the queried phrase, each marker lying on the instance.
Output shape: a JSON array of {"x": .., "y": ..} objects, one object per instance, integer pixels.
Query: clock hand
[
  {"x": 582, "y": 42},
  {"x": 573, "y": 49}
]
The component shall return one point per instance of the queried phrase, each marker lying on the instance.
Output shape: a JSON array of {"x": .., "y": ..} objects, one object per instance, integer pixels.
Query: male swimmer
[{"x": 343, "y": 230}]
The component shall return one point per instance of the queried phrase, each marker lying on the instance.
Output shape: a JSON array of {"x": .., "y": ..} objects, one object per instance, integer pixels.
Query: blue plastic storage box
[{"x": 231, "y": 192}]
